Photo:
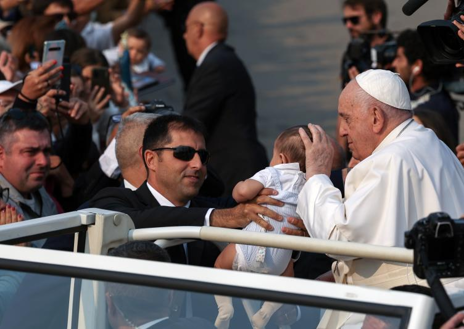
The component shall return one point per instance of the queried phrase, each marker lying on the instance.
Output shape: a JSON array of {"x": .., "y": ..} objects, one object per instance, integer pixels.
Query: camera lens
[{"x": 450, "y": 41}]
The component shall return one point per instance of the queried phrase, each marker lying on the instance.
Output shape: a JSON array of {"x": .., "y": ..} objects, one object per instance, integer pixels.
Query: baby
[
  {"x": 138, "y": 42},
  {"x": 286, "y": 175}
]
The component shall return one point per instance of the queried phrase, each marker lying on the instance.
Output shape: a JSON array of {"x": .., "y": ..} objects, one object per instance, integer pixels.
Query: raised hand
[{"x": 38, "y": 82}]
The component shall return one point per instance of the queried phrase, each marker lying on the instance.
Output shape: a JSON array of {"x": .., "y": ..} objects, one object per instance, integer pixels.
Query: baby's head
[
  {"x": 138, "y": 44},
  {"x": 289, "y": 147}
]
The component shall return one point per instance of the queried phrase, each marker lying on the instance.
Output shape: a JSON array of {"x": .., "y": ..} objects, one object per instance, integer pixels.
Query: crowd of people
[{"x": 92, "y": 143}]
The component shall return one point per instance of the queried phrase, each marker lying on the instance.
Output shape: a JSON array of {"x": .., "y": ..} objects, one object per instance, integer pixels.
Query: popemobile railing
[
  {"x": 105, "y": 228},
  {"x": 96, "y": 231}
]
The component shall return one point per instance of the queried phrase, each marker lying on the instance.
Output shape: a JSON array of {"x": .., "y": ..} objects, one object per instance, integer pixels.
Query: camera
[
  {"x": 159, "y": 107},
  {"x": 156, "y": 106},
  {"x": 441, "y": 39},
  {"x": 438, "y": 243},
  {"x": 364, "y": 57}
]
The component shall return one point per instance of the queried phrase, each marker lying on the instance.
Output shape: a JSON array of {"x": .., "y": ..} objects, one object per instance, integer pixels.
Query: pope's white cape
[{"x": 409, "y": 175}]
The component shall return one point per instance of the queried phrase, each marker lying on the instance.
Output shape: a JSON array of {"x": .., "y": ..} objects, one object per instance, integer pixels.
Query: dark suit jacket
[
  {"x": 222, "y": 96},
  {"x": 146, "y": 212}
]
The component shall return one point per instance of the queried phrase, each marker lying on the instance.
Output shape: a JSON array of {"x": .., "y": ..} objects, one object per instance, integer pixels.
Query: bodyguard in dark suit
[
  {"x": 221, "y": 95},
  {"x": 175, "y": 156}
]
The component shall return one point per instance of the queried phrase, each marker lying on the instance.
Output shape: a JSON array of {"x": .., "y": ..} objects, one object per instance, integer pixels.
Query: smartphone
[
  {"x": 66, "y": 81},
  {"x": 101, "y": 78},
  {"x": 54, "y": 49}
]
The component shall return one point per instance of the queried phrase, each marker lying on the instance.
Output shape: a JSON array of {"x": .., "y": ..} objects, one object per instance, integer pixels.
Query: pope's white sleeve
[{"x": 320, "y": 206}]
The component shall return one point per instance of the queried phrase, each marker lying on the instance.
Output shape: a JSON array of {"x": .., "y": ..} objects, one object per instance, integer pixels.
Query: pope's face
[{"x": 354, "y": 123}]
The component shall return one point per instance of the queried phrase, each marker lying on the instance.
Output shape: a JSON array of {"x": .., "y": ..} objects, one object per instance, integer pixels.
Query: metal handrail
[
  {"x": 45, "y": 226},
  {"x": 349, "y": 249}
]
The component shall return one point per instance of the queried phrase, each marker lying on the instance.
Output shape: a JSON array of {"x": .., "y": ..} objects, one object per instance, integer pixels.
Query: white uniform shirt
[{"x": 408, "y": 176}]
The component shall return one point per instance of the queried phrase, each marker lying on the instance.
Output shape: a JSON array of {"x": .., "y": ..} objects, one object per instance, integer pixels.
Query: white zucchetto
[{"x": 386, "y": 87}]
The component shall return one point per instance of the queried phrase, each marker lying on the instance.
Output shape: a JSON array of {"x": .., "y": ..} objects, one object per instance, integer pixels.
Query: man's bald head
[
  {"x": 213, "y": 17},
  {"x": 206, "y": 23}
]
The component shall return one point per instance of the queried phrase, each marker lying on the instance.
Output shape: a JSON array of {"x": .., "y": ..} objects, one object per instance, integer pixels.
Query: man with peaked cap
[{"x": 404, "y": 174}]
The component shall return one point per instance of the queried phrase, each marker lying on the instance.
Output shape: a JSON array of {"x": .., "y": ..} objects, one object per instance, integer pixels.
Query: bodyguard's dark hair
[
  {"x": 370, "y": 7},
  {"x": 289, "y": 143},
  {"x": 39, "y": 6},
  {"x": 158, "y": 133}
]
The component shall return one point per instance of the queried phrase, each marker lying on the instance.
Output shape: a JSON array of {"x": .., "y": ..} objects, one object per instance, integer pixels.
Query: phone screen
[
  {"x": 54, "y": 50},
  {"x": 101, "y": 78}
]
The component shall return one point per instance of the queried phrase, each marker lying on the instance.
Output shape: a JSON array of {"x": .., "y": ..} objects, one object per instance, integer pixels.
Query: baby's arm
[{"x": 246, "y": 190}]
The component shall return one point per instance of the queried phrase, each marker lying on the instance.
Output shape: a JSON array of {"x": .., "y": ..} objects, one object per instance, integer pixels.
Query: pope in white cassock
[{"x": 404, "y": 174}]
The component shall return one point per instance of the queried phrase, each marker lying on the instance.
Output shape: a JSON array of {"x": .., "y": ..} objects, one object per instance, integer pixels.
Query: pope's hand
[{"x": 319, "y": 151}]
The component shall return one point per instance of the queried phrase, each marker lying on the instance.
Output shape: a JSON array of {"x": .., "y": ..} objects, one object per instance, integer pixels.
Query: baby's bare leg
[
  {"x": 226, "y": 259},
  {"x": 262, "y": 317},
  {"x": 225, "y": 308}
]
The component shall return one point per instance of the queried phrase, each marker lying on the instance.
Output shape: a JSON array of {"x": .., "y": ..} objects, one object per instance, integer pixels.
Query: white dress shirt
[
  {"x": 204, "y": 53},
  {"x": 165, "y": 202}
]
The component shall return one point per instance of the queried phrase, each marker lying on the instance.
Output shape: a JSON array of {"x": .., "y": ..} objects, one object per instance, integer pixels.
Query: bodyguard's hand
[
  {"x": 301, "y": 231},
  {"x": 319, "y": 152},
  {"x": 242, "y": 215}
]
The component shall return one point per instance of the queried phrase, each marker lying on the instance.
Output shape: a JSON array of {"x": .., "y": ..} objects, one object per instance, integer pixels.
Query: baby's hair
[
  {"x": 139, "y": 33},
  {"x": 289, "y": 143}
]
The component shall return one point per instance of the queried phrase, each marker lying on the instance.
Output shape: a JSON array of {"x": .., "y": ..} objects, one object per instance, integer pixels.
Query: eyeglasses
[
  {"x": 352, "y": 19},
  {"x": 5, "y": 194},
  {"x": 186, "y": 153},
  {"x": 59, "y": 17}
]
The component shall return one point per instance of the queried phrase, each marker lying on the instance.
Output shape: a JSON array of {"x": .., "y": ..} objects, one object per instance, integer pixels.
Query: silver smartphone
[{"x": 54, "y": 49}]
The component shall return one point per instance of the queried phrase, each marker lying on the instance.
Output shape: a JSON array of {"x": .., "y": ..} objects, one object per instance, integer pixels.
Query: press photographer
[
  {"x": 426, "y": 84},
  {"x": 370, "y": 45}
]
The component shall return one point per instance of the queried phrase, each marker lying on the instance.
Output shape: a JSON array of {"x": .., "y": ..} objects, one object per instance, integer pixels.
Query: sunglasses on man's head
[
  {"x": 186, "y": 153},
  {"x": 352, "y": 19}
]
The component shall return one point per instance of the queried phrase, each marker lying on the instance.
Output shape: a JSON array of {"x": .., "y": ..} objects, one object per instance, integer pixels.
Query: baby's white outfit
[{"x": 288, "y": 180}]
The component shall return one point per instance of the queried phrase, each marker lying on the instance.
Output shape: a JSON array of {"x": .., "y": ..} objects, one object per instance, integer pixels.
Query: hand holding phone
[
  {"x": 101, "y": 78},
  {"x": 38, "y": 82}
]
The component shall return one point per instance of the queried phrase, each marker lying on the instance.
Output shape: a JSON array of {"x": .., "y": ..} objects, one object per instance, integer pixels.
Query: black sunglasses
[
  {"x": 352, "y": 19},
  {"x": 186, "y": 153},
  {"x": 18, "y": 115},
  {"x": 59, "y": 17}
]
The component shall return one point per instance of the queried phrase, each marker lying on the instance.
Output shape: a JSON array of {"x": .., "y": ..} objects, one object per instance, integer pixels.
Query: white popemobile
[{"x": 85, "y": 270}]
